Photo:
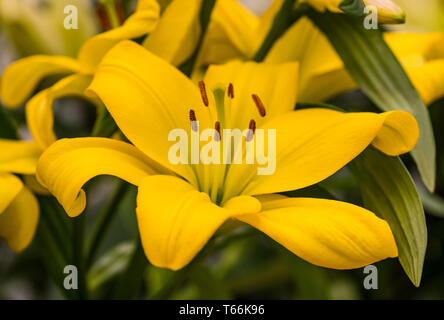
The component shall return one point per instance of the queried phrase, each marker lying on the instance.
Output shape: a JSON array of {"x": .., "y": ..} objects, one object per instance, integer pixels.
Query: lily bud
[{"x": 388, "y": 11}]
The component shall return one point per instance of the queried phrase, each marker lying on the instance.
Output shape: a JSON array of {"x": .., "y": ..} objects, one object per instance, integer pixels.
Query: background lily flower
[
  {"x": 323, "y": 75},
  {"x": 235, "y": 32},
  {"x": 167, "y": 38},
  {"x": 36, "y": 27},
  {"x": 19, "y": 210},
  {"x": 177, "y": 215}
]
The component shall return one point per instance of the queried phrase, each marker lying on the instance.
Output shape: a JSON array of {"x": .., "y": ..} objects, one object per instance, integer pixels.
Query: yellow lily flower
[
  {"x": 167, "y": 38},
  {"x": 323, "y": 75},
  {"x": 388, "y": 11},
  {"x": 19, "y": 210},
  {"x": 180, "y": 206}
]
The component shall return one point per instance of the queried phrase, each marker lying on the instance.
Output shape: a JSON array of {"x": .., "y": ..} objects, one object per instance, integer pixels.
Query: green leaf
[
  {"x": 352, "y": 7},
  {"x": 112, "y": 264},
  {"x": 388, "y": 190},
  {"x": 380, "y": 75}
]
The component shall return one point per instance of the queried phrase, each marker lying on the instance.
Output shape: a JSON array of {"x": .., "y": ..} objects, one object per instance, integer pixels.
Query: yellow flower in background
[
  {"x": 180, "y": 206},
  {"x": 323, "y": 75},
  {"x": 19, "y": 210},
  {"x": 235, "y": 32},
  {"x": 173, "y": 37},
  {"x": 36, "y": 27}
]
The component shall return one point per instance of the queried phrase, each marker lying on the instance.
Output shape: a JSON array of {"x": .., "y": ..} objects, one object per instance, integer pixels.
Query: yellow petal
[
  {"x": 10, "y": 186},
  {"x": 142, "y": 22},
  {"x": 275, "y": 84},
  {"x": 231, "y": 34},
  {"x": 39, "y": 112},
  {"x": 428, "y": 80},
  {"x": 19, "y": 221},
  {"x": 176, "y": 221},
  {"x": 147, "y": 98},
  {"x": 312, "y": 144},
  {"x": 177, "y": 33},
  {"x": 18, "y": 156},
  {"x": 21, "y": 77},
  {"x": 423, "y": 58},
  {"x": 69, "y": 163},
  {"x": 326, "y": 233},
  {"x": 322, "y": 73}
]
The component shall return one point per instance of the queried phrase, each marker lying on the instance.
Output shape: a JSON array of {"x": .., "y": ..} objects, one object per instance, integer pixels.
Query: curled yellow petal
[
  {"x": 177, "y": 33},
  {"x": 399, "y": 133},
  {"x": 18, "y": 156},
  {"x": 69, "y": 163},
  {"x": 22, "y": 77},
  {"x": 326, "y": 233},
  {"x": 19, "y": 221},
  {"x": 142, "y": 22},
  {"x": 176, "y": 221},
  {"x": 39, "y": 112}
]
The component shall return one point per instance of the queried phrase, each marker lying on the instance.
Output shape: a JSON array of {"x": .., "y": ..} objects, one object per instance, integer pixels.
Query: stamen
[
  {"x": 203, "y": 93},
  {"x": 259, "y": 105},
  {"x": 231, "y": 90},
  {"x": 193, "y": 120},
  {"x": 217, "y": 128},
  {"x": 251, "y": 130}
]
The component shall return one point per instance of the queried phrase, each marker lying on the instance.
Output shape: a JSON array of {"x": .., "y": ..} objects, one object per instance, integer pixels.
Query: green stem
[
  {"x": 57, "y": 228},
  {"x": 130, "y": 281},
  {"x": 284, "y": 18},
  {"x": 180, "y": 276},
  {"x": 51, "y": 255},
  {"x": 79, "y": 262},
  {"x": 204, "y": 17},
  {"x": 104, "y": 221}
]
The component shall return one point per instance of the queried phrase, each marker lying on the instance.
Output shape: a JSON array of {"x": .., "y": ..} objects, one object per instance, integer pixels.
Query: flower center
[{"x": 212, "y": 176}]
